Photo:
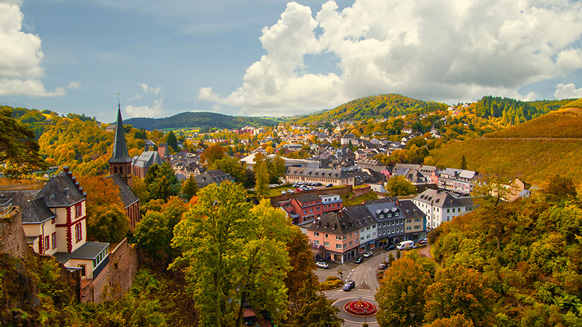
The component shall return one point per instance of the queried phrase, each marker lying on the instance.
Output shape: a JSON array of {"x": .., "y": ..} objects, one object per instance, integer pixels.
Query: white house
[{"x": 440, "y": 206}]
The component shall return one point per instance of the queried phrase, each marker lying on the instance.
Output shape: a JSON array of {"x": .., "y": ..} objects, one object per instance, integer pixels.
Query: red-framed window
[
  {"x": 78, "y": 210},
  {"x": 78, "y": 232},
  {"x": 46, "y": 243},
  {"x": 54, "y": 239}
]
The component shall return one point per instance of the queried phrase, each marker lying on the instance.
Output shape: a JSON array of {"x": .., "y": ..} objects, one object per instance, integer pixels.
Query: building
[
  {"x": 216, "y": 176},
  {"x": 324, "y": 176},
  {"x": 367, "y": 224},
  {"x": 440, "y": 206},
  {"x": 334, "y": 237},
  {"x": 120, "y": 162},
  {"x": 140, "y": 164},
  {"x": 54, "y": 222},
  {"x": 457, "y": 180},
  {"x": 129, "y": 199}
]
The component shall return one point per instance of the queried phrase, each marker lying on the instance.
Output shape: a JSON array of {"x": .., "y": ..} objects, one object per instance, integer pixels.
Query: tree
[
  {"x": 212, "y": 153},
  {"x": 261, "y": 177},
  {"x": 152, "y": 233},
  {"x": 172, "y": 141},
  {"x": 401, "y": 295},
  {"x": 463, "y": 162},
  {"x": 233, "y": 254},
  {"x": 18, "y": 147},
  {"x": 190, "y": 188},
  {"x": 162, "y": 181},
  {"x": 161, "y": 189},
  {"x": 140, "y": 189},
  {"x": 398, "y": 186},
  {"x": 458, "y": 290},
  {"x": 231, "y": 166},
  {"x": 315, "y": 309},
  {"x": 106, "y": 220}
]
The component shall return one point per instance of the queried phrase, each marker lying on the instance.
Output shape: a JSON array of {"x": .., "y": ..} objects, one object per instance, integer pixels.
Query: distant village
[{"x": 53, "y": 219}]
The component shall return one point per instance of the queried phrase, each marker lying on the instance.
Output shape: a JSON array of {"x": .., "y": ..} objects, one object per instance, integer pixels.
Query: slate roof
[
  {"x": 61, "y": 191},
  {"x": 442, "y": 199},
  {"x": 119, "y": 154},
  {"x": 333, "y": 223},
  {"x": 35, "y": 212},
  {"x": 147, "y": 159},
  {"x": 212, "y": 177},
  {"x": 87, "y": 251},
  {"x": 360, "y": 215},
  {"x": 320, "y": 173},
  {"x": 125, "y": 192},
  {"x": 308, "y": 198}
]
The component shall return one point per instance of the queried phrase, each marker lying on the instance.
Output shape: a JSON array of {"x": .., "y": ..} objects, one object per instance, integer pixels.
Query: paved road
[{"x": 366, "y": 278}]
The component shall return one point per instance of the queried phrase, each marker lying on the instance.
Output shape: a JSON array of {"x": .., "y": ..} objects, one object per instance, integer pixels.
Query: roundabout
[{"x": 356, "y": 311}]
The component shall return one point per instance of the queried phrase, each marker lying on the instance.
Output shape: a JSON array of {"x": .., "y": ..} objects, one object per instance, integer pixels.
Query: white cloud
[
  {"x": 567, "y": 91},
  {"x": 148, "y": 89},
  {"x": 20, "y": 56},
  {"x": 153, "y": 111},
  {"x": 74, "y": 85},
  {"x": 448, "y": 50}
]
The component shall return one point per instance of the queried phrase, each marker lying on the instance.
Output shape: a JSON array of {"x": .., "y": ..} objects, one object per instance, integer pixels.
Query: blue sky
[{"x": 274, "y": 58}]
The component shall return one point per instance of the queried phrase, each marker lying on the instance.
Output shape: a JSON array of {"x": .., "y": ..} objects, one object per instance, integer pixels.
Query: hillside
[
  {"x": 379, "y": 106},
  {"x": 200, "y": 119},
  {"x": 535, "y": 150}
]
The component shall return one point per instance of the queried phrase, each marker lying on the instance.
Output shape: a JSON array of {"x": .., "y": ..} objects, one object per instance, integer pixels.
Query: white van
[{"x": 406, "y": 245}]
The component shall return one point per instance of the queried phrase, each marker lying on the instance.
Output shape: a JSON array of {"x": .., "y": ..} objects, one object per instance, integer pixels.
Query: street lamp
[{"x": 365, "y": 314}]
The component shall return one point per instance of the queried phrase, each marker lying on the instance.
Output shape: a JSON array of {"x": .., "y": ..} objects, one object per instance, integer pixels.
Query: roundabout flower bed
[{"x": 360, "y": 308}]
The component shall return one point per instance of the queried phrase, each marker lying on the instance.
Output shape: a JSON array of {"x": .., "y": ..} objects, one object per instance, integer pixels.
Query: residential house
[
  {"x": 324, "y": 176},
  {"x": 334, "y": 237},
  {"x": 216, "y": 176},
  {"x": 441, "y": 206},
  {"x": 367, "y": 224},
  {"x": 458, "y": 180}
]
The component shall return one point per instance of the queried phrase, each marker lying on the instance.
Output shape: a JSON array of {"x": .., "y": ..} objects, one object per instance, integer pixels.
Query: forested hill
[
  {"x": 511, "y": 111},
  {"x": 204, "y": 120},
  {"x": 379, "y": 106}
]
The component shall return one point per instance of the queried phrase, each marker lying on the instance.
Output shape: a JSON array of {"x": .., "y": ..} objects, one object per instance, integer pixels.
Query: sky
[{"x": 280, "y": 58}]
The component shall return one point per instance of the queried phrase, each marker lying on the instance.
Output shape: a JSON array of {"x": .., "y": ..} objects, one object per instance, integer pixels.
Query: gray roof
[
  {"x": 308, "y": 198},
  {"x": 319, "y": 173},
  {"x": 147, "y": 159},
  {"x": 334, "y": 223},
  {"x": 87, "y": 251},
  {"x": 61, "y": 190},
  {"x": 212, "y": 177},
  {"x": 442, "y": 199},
  {"x": 360, "y": 215},
  {"x": 120, "y": 154},
  {"x": 125, "y": 192},
  {"x": 35, "y": 211}
]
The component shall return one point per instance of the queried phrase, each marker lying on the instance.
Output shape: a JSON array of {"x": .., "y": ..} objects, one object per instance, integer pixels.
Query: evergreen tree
[
  {"x": 172, "y": 141},
  {"x": 190, "y": 188},
  {"x": 463, "y": 162}
]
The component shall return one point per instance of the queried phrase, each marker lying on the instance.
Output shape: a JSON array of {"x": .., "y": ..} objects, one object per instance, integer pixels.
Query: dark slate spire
[{"x": 119, "y": 145}]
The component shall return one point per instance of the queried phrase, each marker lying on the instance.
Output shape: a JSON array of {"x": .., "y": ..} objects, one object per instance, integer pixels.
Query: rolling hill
[
  {"x": 542, "y": 147},
  {"x": 200, "y": 119},
  {"x": 378, "y": 106}
]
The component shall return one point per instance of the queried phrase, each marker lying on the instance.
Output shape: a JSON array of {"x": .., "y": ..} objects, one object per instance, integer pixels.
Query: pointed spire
[{"x": 120, "y": 154}]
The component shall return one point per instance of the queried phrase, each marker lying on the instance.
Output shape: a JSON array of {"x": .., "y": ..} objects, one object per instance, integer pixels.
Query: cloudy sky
[{"x": 272, "y": 57}]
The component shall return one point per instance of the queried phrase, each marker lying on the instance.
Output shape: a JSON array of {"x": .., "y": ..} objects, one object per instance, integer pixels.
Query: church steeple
[{"x": 120, "y": 161}]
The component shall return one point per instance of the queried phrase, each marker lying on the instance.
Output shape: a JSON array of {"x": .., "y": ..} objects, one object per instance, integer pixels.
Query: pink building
[{"x": 335, "y": 235}]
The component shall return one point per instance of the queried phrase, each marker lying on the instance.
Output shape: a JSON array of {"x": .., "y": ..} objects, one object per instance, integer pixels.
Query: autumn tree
[
  {"x": 233, "y": 254},
  {"x": 262, "y": 179},
  {"x": 231, "y": 166},
  {"x": 212, "y": 153},
  {"x": 19, "y": 150},
  {"x": 399, "y": 186},
  {"x": 189, "y": 188},
  {"x": 106, "y": 220},
  {"x": 401, "y": 295},
  {"x": 314, "y": 309},
  {"x": 140, "y": 189},
  {"x": 458, "y": 290}
]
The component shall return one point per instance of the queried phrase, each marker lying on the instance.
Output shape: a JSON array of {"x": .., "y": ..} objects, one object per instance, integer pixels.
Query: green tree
[
  {"x": 458, "y": 290},
  {"x": 401, "y": 295},
  {"x": 190, "y": 188},
  {"x": 152, "y": 233},
  {"x": 261, "y": 178},
  {"x": 463, "y": 162},
  {"x": 140, "y": 189},
  {"x": 314, "y": 309},
  {"x": 18, "y": 147},
  {"x": 231, "y": 166},
  {"x": 233, "y": 254},
  {"x": 161, "y": 189},
  {"x": 172, "y": 141},
  {"x": 107, "y": 224},
  {"x": 399, "y": 186}
]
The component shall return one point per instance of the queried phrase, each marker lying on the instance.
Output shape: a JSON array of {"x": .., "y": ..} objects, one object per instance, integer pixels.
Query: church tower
[{"x": 120, "y": 161}]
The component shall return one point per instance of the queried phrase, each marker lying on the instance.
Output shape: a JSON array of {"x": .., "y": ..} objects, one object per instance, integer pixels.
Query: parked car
[
  {"x": 423, "y": 241},
  {"x": 329, "y": 185},
  {"x": 349, "y": 285},
  {"x": 382, "y": 266},
  {"x": 406, "y": 245},
  {"x": 390, "y": 247},
  {"x": 359, "y": 260},
  {"x": 368, "y": 254},
  {"x": 322, "y": 264}
]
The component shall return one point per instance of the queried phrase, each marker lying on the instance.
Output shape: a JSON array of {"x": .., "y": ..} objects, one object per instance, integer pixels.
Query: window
[
  {"x": 311, "y": 210},
  {"x": 317, "y": 209},
  {"x": 316, "y": 242},
  {"x": 305, "y": 211},
  {"x": 408, "y": 228},
  {"x": 448, "y": 210},
  {"x": 350, "y": 243},
  {"x": 338, "y": 238},
  {"x": 78, "y": 210},
  {"x": 362, "y": 238},
  {"x": 408, "y": 220},
  {"x": 368, "y": 228},
  {"x": 338, "y": 246},
  {"x": 326, "y": 235},
  {"x": 417, "y": 220},
  {"x": 46, "y": 243},
  {"x": 83, "y": 270},
  {"x": 53, "y": 220},
  {"x": 326, "y": 244},
  {"x": 78, "y": 232},
  {"x": 315, "y": 234},
  {"x": 54, "y": 239}
]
